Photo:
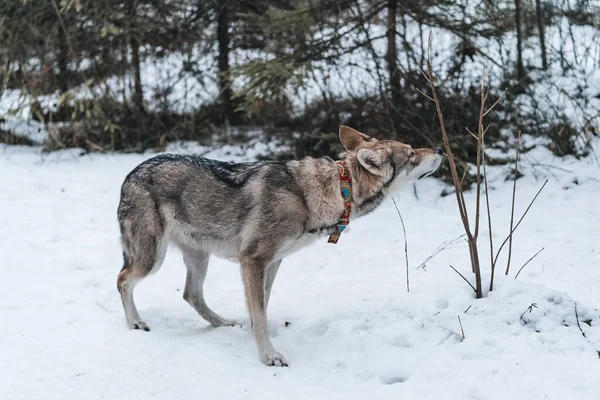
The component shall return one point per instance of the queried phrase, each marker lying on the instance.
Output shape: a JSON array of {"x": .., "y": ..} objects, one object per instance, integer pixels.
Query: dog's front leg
[
  {"x": 254, "y": 273},
  {"x": 271, "y": 274}
]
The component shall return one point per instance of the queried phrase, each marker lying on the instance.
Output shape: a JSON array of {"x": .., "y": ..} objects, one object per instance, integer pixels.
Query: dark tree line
[{"x": 130, "y": 75}]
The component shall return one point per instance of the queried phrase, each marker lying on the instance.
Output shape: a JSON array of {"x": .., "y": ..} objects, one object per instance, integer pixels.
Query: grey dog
[{"x": 254, "y": 213}]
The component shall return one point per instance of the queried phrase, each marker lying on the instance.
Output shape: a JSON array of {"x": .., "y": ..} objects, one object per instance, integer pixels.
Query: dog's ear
[
  {"x": 370, "y": 160},
  {"x": 352, "y": 139}
]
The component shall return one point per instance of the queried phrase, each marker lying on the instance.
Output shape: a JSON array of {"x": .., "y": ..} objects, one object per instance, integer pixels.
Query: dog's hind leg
[
  {"x": 196, "y": 263},
  {"x": 134, "y": 270},
  {"x": 254, "y": 276},
  {"x": 144, "y": 248}
]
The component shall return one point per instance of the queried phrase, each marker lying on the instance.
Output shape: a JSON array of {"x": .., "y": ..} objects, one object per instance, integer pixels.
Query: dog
[{"x": 255, "y": 213}]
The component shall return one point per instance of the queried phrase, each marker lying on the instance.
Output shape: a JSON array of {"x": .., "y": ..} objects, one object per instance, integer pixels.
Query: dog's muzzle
[{"x": 435, "y": 163}]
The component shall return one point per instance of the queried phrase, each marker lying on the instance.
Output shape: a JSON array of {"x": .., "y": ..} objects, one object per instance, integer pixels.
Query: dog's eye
[{"x": 411, "y": 154}]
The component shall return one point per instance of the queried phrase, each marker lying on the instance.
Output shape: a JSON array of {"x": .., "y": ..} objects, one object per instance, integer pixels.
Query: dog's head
[{"x": 393, "y": 162}]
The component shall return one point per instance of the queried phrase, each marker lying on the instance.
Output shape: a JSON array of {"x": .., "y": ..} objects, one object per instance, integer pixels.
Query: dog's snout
[{"x": 438, "y": 150}]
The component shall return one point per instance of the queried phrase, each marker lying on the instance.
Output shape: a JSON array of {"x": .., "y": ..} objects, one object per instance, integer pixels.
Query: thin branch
[
  {"x": 430, "y": 79},
  {"x": 423, "y": 72},
  {"x": 578, "y": 325},
  {"x": 466, "y": 280},
  {"x": 479, "y": 139},
  {"x": 489, "y": 215},
  {"x": 427, "y": 96},
  {"x": 439, "y": 249},
  {"x": 512, "y": 209},
  {"x": 494, "y": 105},
  {"x": 521, "y": 269},
  {"x": 452, "y": 332},
  {"x": 405, "y": 244},
  {"x": 464, "y": 176},
  {"x": 472, "y": 134},
  {"x": 462, "y": 331},
  {"x": 486, "y": 129},
  {"x": 519, "y": 222},
  {"x": 537, "y": 164}
]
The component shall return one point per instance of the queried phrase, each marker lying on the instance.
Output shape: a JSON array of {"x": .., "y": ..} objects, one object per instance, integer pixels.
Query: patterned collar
[{"x": 346, "y": 185}]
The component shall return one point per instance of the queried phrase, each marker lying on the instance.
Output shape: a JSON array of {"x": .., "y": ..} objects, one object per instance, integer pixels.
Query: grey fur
[{"x": 254, "y": 213}]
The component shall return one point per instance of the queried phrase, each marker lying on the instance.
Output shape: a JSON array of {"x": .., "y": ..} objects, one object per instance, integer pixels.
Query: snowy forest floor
[{"x": 340, "y": 314}]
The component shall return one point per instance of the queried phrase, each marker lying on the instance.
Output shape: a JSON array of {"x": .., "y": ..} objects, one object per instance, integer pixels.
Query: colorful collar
[{"x": 346, "y": 185}]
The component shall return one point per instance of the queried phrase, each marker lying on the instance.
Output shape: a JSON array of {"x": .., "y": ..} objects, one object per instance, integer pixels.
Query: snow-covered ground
[{"x": 340, "y": 314}]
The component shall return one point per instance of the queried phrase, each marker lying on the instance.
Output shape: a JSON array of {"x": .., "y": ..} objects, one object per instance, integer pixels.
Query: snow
[{"x": 353, "y": 331}]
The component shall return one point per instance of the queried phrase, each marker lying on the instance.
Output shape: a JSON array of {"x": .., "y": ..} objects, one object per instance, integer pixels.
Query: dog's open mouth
[{"x": 426, "y": 174}]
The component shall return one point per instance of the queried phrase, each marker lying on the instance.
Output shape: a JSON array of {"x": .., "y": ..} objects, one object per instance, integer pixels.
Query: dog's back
[{"x": 202, "y": 204}]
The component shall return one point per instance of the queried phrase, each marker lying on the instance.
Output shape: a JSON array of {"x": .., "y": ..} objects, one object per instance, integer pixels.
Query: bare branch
[
  {"x": 462, "y": 331},
  {"x": 519, "y": 222},
  {"x": 425, "y": 75},
  {"x": 512, "y": 210},
  {"x": 439, "y": 249},
  {"x": 430, "y": 79},
  {"x": 521, "y": 269},
  {"x": 496, "y": 103},
  {"x": 466, "y": 280},
  {"x": 430, "y": 98},
  {"x": 472, "y": 134},
  {"x": 489, "y": 215},
  {"x": 405, "y": 244},
  {"x": 479, "y": 139},
  {"x": 486, "y": 129},
  {"x": 464, "y": 176},
  {"x": 579, "y": 325}
]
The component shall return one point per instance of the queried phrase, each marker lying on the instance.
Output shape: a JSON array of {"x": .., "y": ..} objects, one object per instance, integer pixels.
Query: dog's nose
[{"x": 439, "y": 150}]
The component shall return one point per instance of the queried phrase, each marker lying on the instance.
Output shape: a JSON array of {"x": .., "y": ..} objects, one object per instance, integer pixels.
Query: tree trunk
[
  {"x": 138, "y": 93},
  {"x": 391, "y": 58},
  {"x": 223, "y": 40},
  {"x": 520, "y": 69},
  {"x": 541, "y": 29}
]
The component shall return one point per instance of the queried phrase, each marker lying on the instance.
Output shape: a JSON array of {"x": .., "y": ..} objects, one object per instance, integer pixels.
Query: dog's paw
[
  {"x": 274, "y": 359},
  {"x": 221, "y": 322},
  {"x": 140, "y": 325}
]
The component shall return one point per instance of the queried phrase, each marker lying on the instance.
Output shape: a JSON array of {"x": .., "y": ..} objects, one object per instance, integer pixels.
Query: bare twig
[
  {"x": 489, "y": 215},
  {"x": 439, "y": 249},
  {"x": 430, "y": 79},
  {"x": 519, "y": 222},
  {"x": 582, "y": 332},
  {"x": 528, "y": 262},
  {"x": 462, "y": 331},
  {"x": 537, "y": 164},
  {"x": 496, "y": 103},
  {"x": 472, "y": 134},
  {"x": 479, "y": 139},
  {"x": 430, "y": 98},
  {"x": 529, "y": 309},
  {"x": 578, "y": 325},
  {"x": 464, "y": 176},
  {"x": 452, "y": 332},
  {"x": 405, "y": 244},
  {"x": 512, "y": 208},
  {"x": 466, "y": 280}
]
